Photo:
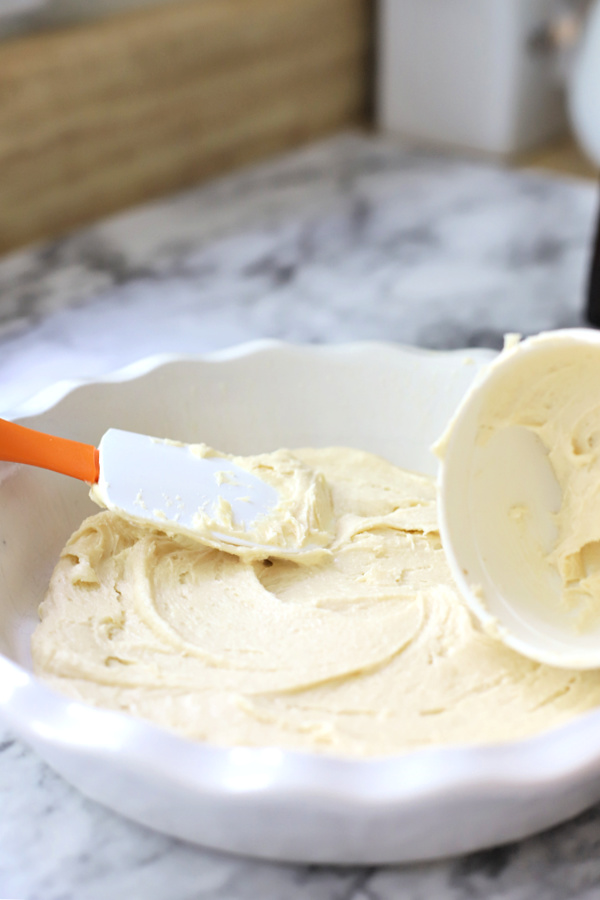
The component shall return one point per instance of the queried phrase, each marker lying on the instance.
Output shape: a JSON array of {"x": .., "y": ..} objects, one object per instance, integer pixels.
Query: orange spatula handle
[{"x": 24, "y": 445}]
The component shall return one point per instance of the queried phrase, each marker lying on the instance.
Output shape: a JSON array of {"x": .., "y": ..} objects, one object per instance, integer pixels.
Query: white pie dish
[{"x": 268, "y": 802}]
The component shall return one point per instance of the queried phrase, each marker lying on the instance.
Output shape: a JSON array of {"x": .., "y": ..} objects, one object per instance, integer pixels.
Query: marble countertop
[{"x": 355, "y": 238}]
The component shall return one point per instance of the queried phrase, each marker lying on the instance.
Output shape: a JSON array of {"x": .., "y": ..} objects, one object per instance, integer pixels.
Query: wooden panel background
[{"x": 95, "y": 118}]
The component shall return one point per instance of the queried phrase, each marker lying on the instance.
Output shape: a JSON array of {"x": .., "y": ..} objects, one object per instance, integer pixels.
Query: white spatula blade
[{"x": 167, "y": 484}]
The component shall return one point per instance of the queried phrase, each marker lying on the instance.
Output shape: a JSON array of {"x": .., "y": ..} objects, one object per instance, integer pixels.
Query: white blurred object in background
[
  {"x": 483, "y": 76},
  {"x": 584, "y": 87}
]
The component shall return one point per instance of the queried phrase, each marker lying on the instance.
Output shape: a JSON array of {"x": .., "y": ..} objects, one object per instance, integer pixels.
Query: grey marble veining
[
  {"x": 351, "y": 239},
  {"x": 355, "y": 238}
]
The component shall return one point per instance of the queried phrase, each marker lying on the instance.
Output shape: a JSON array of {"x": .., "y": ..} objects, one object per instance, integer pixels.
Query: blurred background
[{"x": 108, "y": 103}]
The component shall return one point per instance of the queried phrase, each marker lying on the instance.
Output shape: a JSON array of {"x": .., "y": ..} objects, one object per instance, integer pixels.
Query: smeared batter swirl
[{"x": 370, "y": 651}]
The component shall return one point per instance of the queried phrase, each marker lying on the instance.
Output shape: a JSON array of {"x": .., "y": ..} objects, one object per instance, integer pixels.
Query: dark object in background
[{"x": 593, "y": 295}]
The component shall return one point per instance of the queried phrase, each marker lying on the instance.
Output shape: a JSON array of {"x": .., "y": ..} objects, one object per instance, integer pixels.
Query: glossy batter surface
[{"x": 369, "y": 651}]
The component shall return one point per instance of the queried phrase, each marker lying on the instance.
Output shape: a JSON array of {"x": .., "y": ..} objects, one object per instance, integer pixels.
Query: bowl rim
[
  {"x": 544, "y": 761},
  {"x": 41, "y": 401}
]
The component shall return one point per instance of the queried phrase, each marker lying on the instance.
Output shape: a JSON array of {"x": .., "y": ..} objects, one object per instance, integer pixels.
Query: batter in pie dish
[{"x": 366, "y": 650}]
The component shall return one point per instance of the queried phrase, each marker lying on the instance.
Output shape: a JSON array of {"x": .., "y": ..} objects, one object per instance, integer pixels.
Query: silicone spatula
[{"x": 155, "y": 481}]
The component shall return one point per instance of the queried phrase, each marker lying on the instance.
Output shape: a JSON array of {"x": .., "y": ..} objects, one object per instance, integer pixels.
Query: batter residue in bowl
[
  {"x": 557, "y": 398},
  {"x": 369, "y": 651}
]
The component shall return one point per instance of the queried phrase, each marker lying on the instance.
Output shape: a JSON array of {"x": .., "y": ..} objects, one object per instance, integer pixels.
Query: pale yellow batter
[
  {"x": 557, "y": 397},
  {"x": 370, "y": 651}
]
